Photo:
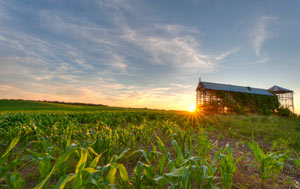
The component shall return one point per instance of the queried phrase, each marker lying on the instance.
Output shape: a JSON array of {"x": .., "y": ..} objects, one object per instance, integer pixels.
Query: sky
[{"x": 136, "y": 53}]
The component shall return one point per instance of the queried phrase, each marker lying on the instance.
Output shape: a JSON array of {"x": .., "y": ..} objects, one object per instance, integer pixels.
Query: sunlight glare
[{"x": 192, "y": 108}]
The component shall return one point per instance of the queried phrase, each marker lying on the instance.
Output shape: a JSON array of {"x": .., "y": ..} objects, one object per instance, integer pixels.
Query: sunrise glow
[{"x": 192, "y": 108}]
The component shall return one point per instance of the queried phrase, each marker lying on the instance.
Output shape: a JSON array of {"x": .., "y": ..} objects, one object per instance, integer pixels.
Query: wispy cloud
[
  {"x": 260, "y": 61},
  {"x": 260, "y": 33},
  {"x": 181, "y": 86},
  {"x": 264, "y": 60},
  {"x": 100, "y": 59},
  {"x": 177, "y": 29},
  {"x": 118, "y": 63},
  {"x": 82, "y": 63},
  {"x": 227, "y": 53},
  {"x": 173, "y": 45}
]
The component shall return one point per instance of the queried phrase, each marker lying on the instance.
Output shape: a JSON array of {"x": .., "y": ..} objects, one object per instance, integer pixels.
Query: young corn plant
[
  {"x": 15, "y": 180},
  {"x": 227, "y": 167},
  {"x": 296, "y": 161},
  {"x": 204, "y": 145},
  {"x": 4, "y": 165},
  {"x": 269, "y": 164},
  {"x": 185, "y": 168},
  {"x": 113, "y": 166},
  {"x": 79, "y": 175},
  {"x": 59, "y": 161}
]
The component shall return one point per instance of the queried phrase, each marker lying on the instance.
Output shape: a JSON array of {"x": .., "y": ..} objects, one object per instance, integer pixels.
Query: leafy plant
[
  {"x": 227, "y": 166},
  {"x": 297, "y": 162},
  {"x": 269, "y": 164},
  {"x": 15, "y": 180},
  {"x": 4, "y": 166}
]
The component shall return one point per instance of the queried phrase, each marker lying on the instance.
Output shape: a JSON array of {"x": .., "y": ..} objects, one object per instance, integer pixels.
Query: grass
[
  {"x": 47, "y": 145},
  {"x": 27, "y": 105},
  {"x": 264, "y": 128}
]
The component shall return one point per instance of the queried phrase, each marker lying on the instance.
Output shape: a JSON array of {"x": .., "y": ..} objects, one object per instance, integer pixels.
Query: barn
[
  {"x": 224, "y": 98},
  {"x": 285, "y": 96}
]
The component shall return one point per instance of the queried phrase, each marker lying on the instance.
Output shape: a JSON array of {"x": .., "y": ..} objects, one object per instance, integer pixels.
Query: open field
[
  {"x": 56, "y": 146},
  {"x": 26, "y": 105}
]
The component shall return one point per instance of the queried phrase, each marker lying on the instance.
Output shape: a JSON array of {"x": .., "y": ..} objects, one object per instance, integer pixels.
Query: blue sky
[{"x": 137, "y": 53}]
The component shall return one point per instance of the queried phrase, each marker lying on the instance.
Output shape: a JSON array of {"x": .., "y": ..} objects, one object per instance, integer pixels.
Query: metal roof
[
  {"x": 278, "y": 89},
  {"x": 234, "y": 88}
]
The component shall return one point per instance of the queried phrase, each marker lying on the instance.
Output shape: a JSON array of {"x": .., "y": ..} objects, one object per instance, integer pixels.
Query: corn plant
[
  {"x": 4, "y": 165},
  {"x": 296, "y": 161},
  {"x": 59, "y": 161},
  {"x": 204, "y": 145},
  {"x": 227, "y": 166},
  {"x": 269, "y": 164},
  {"x": 15, "y": 180},
  {"x": 78, "y": 175}
]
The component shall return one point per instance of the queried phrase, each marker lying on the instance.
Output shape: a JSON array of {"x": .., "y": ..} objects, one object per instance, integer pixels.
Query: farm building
[
  {"x": 285, "y": 96},
  {"x": 216, "y": 97}
]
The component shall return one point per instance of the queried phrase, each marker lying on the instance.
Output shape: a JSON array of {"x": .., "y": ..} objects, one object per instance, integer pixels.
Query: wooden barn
[{"x": 216, "y": 97}]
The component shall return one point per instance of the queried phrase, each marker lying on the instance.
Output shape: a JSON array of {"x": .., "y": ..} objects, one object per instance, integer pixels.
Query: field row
[{"x": 140, "y": 149}]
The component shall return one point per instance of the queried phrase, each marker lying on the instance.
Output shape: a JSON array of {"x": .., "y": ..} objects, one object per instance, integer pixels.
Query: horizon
[{"x": 141, "y": 54}]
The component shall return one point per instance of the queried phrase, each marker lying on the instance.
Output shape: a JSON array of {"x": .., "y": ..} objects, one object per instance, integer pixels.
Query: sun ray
[{"x": 192, "y": 108}]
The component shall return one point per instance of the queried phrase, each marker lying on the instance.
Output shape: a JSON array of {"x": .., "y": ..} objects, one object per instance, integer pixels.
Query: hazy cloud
[
  {"x": 181, "y": 86},
  {"x": 260, "y": 33},
  {"x": 228, "y": 53}
]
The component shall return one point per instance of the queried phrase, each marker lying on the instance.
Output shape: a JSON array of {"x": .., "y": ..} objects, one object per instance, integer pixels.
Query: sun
[{"x": 192, "y": 108}]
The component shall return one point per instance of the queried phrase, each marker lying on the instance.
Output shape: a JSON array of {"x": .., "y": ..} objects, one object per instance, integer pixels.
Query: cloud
[
  {"x": 227, "y": 53},
  {"x": 118, "y": 62},
  {"x": 71, "y": 57},
  {"x": 178, "y": 51},
  {"x": 177, "y": 29},
  {"x": 260, "y": 33},
  {"x": 82, "y": 63},
  {"x": 181, "y": 86},
  {"x": 260, "y": 61},
  {"x": 173, "y": 45}
]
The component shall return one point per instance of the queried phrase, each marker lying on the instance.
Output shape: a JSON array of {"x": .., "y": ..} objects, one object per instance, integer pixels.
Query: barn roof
[
  {"x": 234, "y": 88},
  {"x": 277, "y": 89}
]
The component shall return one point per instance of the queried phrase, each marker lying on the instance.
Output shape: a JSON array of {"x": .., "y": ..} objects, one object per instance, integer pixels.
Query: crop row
[{"x": 121, "y": 149}]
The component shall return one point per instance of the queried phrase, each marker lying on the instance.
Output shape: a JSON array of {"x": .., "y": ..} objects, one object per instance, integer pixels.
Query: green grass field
[
  {"x": 26, "y": 105},
  {"x": 47, "y": 145}
]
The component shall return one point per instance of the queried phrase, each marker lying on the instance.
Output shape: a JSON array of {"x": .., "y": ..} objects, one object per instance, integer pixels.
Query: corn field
[{"x": 119, "y": 149}]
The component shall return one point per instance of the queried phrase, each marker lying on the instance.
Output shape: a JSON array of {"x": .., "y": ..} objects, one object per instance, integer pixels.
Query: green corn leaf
[
  {"x": 143, "y": 153},
  {"x": 64, "y": 180},
  {"x": 138, "y": 169},
  {"x": 13, "y": 143},
  {"x": 111, "y": 175},
  {"x": 90, "y": 170},
  {"x": 161, "y": 164},
  {"x": 160, "y": 141},
  {"x": 122, "y": 171},
  {"x": 149, "y": 171},
  {"x": 104, "y": 168},
  {"x": 95, "y": 161},
  {"x": 93, "y": 181},
  {"x": 44, "y": 181},
  {"x": 216, "y": 157},
  {"x": 82, "y": 161},
  {"x": 65, "y": 156},
  {"x": 93, "y": 151},
  {"x": 78, "y": 181},
  {"x": 122, "y": 154},
  {"x": 176, "y": 172}
]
